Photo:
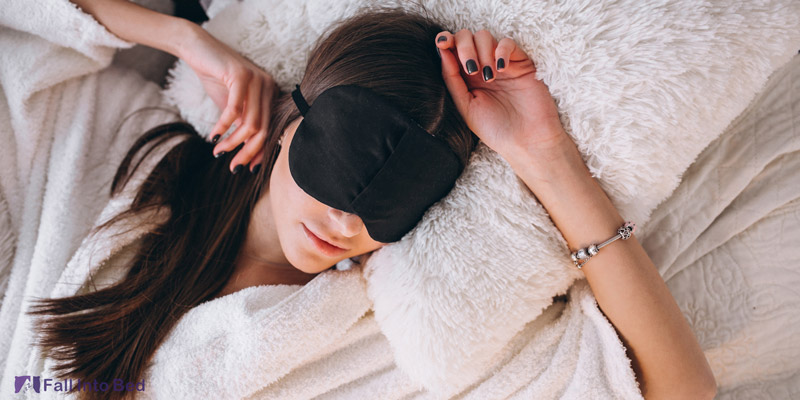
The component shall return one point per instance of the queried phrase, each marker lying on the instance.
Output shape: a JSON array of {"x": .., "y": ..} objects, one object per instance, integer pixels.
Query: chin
[
  {"x": 316, "y": 268},
  {"x": 301, "y": 261},
  {"x": 309, "y": 263}
]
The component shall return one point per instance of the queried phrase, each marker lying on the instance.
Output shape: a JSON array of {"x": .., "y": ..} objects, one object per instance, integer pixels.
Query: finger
[
  {"x": 444, "y": 40},
  {"x": 267, "y": 89},
  {"x": 451, "y": 73},
  {"x": 266, "y": 95},
  {"x": 257, "y": 160},
  {"x": 247, "y": 153},
  {"x": 251, "y": 119},
  {"x": 508, "y": 51},
  {"x": 485, "y": 44},
  {"x": 466, "y": 51},
  {"x": 251, "y": 147},
  {"x": 237, "y": 123},
  {"x": 233, "y": 109}
]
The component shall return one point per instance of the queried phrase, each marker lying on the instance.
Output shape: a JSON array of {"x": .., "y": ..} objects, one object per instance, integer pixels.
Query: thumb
[{"x": 451, "y": 72}]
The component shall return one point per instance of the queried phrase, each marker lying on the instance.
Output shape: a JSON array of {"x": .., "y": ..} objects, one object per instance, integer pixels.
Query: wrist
[
  {"x": 163, "y": 32},
  {"x": 547, "y": 162},
  {"x": 564, "y": 186},
  {"x": 184, "y": 32},
  {"x": 135, "y": 23}
]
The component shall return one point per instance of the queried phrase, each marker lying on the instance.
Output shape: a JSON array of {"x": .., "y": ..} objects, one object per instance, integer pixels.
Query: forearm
[
  {"x": 666, "y": 356},
  {"x": 138, "y": 24}
]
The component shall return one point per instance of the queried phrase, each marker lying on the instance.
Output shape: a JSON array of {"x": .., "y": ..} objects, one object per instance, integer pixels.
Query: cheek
[
  {"x": 293, "y": 204},
  {"x": 290, "y": 207},
  {"x": 284, "y": 200},
  {"x": 281, "y": 203}
]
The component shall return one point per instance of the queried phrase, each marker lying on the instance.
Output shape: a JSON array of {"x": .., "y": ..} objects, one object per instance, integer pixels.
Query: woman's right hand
[
  {"x": 511, "y": 111},
  {"x": 241, "y": 89}
]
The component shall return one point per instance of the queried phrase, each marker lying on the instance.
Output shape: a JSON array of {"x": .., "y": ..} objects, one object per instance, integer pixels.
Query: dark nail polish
[
  {"x": 439, "y": 52},
  {"x": 442, "y": 38},
  {"x": 472, "y": 66},
  {"x": 487, "y": 73},
  {"x": 237, "y": 169},
  {"x": 501, "y": 64},
  {"x": 218, "y": 155},
  {"x": 256, "y": 168},
  {"x": 216, "y": 137}
]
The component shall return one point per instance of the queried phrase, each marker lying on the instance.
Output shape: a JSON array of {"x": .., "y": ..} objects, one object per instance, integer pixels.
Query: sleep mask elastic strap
[{"x": 301, "y": 103}]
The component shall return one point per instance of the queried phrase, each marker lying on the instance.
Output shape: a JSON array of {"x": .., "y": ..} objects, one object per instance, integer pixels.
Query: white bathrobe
[{"x": 59, "y": 113}]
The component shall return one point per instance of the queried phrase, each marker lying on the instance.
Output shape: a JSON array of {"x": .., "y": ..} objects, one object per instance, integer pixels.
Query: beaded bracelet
[{"x": 624, "y": 232}]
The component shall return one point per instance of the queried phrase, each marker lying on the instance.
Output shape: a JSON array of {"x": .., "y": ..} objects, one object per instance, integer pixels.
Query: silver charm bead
[
  {"x": 574, "y": 257},
  {"x": 582, "y": 254},
  {"x": 592, "y": 249},
  {"x": 626, "y": 230}
]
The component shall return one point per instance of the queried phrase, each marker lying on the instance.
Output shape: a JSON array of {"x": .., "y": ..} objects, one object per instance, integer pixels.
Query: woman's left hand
[
  {"x": 507, "y": 108},
  {"x": 240, "y": 88}
]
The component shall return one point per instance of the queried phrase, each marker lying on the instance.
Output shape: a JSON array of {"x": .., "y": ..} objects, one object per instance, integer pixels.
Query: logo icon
[{"x": 20, "y": 381}]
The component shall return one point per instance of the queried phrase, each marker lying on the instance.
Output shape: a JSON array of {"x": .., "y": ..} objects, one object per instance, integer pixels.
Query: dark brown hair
[{"x": 113, "y": 333}]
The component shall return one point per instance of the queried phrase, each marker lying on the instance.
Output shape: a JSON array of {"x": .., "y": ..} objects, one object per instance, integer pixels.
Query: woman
[{"x": 265, "y": 229}]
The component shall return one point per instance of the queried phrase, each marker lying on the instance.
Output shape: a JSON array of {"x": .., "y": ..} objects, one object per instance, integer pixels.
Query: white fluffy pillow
[{"x": 642, "y": 88}]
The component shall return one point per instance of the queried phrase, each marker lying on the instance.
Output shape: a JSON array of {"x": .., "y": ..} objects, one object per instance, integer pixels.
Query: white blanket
[
  {"x": 725, "y": 242},
  {"x": 322, "y": 339}
]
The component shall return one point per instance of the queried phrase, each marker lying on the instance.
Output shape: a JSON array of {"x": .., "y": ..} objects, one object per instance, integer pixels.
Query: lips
[{"x": 323, "y": 245}]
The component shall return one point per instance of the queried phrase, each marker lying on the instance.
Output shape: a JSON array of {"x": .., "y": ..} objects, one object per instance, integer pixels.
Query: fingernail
[
  {"x": 237, "y": 169},
  {"x": 219, "y": 154},
  {"x": 256, "y": 168},
  {"x": 216, "y": 137},
  {"x": 472, "y": 66},
  {"x": 442, "y": 38},
  {"x": 501, "y": 64},
  {"x": 439, "y": 52},
  {"x": 487, "y": 73}
]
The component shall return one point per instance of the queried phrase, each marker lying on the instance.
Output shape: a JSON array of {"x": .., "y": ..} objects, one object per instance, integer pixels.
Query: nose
[{"x": 348, "y": 224}]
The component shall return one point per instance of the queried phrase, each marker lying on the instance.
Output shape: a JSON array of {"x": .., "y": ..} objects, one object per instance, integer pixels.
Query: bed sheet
[{"x": 726, "y": 244}]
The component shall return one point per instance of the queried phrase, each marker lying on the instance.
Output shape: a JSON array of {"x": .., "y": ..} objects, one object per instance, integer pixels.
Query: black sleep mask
[{"x": 356, "y": 152}]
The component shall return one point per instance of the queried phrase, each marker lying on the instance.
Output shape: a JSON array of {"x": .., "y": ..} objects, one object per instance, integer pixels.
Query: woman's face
[{"x": 301, "y": 221}]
